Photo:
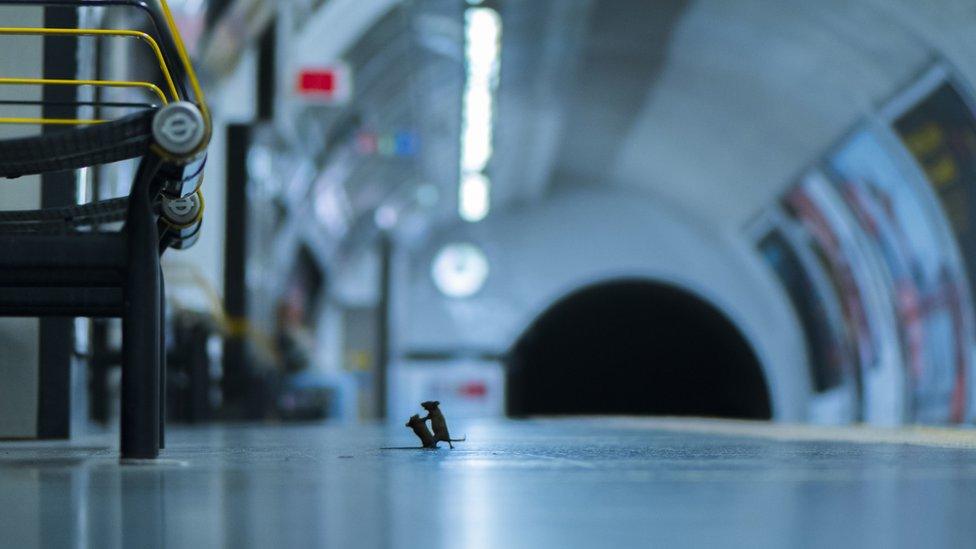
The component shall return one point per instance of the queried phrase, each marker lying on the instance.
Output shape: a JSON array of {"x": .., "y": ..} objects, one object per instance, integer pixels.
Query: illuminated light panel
[
  {"x": 482, "y": 54},
  {"x": 474, "y": 197},
  {"x": 477, "y": 130}
]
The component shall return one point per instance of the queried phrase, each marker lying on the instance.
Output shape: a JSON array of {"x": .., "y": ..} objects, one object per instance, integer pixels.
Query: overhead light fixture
[
  {"x": 474, "y": 196},
  {"x": 482, "y": 54}
]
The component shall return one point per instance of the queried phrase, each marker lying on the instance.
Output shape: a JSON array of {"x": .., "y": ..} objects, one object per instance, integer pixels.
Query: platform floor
[{"x": 541, "y": 483}]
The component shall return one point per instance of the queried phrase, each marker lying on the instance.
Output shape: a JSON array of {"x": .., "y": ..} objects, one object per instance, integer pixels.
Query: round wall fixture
[{"x": 459, "y": 270}]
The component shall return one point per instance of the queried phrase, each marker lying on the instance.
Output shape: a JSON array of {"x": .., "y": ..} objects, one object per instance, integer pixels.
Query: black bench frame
[
  {"x": 74, "y": 273},
  {"x": 104, "y": 275},
  {"x": 57, "y": 262}
]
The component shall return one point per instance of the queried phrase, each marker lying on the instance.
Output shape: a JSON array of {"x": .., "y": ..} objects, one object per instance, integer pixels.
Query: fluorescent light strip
[{"x": 482, "y": 53}]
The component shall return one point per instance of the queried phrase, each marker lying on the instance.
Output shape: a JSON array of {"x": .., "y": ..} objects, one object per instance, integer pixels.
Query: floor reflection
[{"x": 515, "y": 484}]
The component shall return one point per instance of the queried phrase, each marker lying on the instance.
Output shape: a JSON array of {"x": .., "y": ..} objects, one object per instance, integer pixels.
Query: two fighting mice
[
  {"x": 438, "y": 423},
  {"x": 420, "y": 429}
]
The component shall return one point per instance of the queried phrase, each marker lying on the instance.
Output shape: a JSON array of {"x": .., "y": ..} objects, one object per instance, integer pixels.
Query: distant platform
[{"x": 588, "y": 482}]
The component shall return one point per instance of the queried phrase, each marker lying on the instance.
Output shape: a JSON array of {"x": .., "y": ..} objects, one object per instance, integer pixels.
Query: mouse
[
  {"x": 438, "y": 423},
  {"x": 420, "y": 429}
]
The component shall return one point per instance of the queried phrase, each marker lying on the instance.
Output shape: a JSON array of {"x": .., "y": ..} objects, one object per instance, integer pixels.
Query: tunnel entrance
[{"x": 635, "y": 347}]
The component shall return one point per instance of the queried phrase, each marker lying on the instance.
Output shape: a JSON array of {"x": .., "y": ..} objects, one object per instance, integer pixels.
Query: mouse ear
[{"x": 437, "y": 403}]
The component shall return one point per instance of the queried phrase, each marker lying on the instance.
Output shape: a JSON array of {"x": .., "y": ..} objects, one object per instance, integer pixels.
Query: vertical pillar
[
  {"x": 236, "y": 369},
  {"x": 56, "y": 335},
  {"x": 383, "y": 323}
]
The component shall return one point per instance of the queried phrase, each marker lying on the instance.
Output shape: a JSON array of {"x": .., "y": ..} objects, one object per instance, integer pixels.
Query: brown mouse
[
  {"x": 420, "y": 429},
  {"x": 438, "y": 423}
]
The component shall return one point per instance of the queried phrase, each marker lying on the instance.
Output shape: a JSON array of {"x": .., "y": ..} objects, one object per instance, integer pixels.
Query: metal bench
[{"x": 75, "y": 261}]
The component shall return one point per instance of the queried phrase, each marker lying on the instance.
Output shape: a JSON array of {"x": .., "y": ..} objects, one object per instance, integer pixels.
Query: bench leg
[
  {"x": 139, "y": 432},
  {"x": 162, "y": 361}
]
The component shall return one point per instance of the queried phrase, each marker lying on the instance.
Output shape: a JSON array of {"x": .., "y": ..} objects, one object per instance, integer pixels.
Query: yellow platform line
[{"x": 915, "y": 435}]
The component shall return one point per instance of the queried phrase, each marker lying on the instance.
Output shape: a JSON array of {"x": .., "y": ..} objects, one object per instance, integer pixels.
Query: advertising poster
[
  {"x": 887, "y": 200},
  {"x": 940, "y": 132},
  {"x": 827, "y": 352}
]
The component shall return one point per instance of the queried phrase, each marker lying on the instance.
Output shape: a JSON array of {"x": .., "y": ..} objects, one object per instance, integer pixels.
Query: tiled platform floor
[{"x": 541, "y": 483}]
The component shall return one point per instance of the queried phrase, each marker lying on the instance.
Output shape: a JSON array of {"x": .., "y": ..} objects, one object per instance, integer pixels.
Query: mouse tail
[{"x": 462, "y": 439}]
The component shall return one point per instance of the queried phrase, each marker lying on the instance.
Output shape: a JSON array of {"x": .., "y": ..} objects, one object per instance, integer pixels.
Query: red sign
[
  {"x": 317, "y": 81},
  {"x": 331, "y": 84},
  {"x": 473, "y": 389}
]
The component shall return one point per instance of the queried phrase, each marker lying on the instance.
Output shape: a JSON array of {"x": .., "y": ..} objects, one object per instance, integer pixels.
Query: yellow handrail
[
  {"x": 187, "y": 66},
  {"x": 50, "y": 121},
  {"x": 68, "y": 82},
  {"x": 22, "y": 31},
  {"x": 167, "y": 75}
]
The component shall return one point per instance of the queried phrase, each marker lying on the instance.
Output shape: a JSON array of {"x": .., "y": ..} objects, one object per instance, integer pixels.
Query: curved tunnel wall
[
  {"x": 635, "y": 347},
  {"x": 537, "y": 258},
  {"x": 748, "y": 95}
]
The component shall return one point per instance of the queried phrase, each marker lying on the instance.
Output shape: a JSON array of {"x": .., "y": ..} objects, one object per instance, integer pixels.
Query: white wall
[
  {"x": 578, "y": 238},
  {"x": 755, "y": 89},
  {"x": 752, "y": 92}
]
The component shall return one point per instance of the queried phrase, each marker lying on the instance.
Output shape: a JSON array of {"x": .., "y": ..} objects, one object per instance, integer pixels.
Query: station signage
[{"x": 329, "y": 85}]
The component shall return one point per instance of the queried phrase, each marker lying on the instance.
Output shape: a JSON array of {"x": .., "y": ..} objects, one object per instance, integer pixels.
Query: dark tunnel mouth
[{"x": 635, "y": 347}]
